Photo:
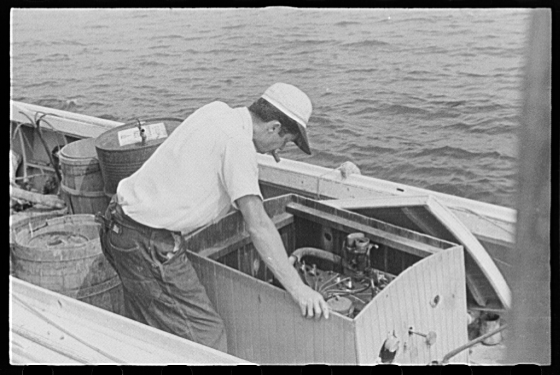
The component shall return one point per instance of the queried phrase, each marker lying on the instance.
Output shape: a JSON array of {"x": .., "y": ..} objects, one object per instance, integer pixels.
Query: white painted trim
[
  {"x": 66, "y": 123},
  {"x": 15, "y": 106},
  {"x": 268, "y": 168}
]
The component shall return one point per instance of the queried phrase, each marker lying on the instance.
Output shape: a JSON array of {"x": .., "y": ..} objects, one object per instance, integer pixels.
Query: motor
[{"x": 356, "y": 254}]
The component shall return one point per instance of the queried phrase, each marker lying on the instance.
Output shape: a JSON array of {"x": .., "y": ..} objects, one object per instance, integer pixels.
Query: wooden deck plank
[
  {"x": 395, "y": 313},
  {"x": 373, "y": 323},
  {"x": 259, "y": 340},
  {"x": 404, "y": 305},
  {"x": 132, "y": 341},
  {"x": 301, "y": 351},
  {"x": 333, "y": 353},
  {"x": 318, "y": 341},
  {"x": 350, "y": 342},
  {"x": 460, "y": 331},
  {"x": 267, "y": 320},
  {"x": 286, "y": 337},
  {"x": 361, "y": 339},
  {"x": 377, "y": 336},
  {"x": 239, "y": 331},
  {"x": 433, "y": 290},
  {"x": 446, "y": 313},
  {"x": 429, "y": 321},
  {"x": 306, "y": 336},
  {"x": 28, "y": 350},
  {"x": 417, "y": 356},
  {"x": 424, "y": 324},
  {"x": 237, "y": 310},
  {"x": 398, "y": 312},
  {"x": 42, "y": 339},
  {"x": 447, "y": 305},
  {"x": 118, "y": 348},
  {"x": 250, "y": 324},
  {"x": 224, "y": 297},
  {"x": 455, "y": 329}
]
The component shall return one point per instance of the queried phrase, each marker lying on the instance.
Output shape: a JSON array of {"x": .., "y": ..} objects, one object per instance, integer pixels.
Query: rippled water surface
[{"x": 429, "y": 98}]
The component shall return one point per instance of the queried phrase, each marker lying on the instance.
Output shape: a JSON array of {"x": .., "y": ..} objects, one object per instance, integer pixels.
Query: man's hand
[
  {"x": 311, "y": 302},
  {"x": 268, "y": 243}
]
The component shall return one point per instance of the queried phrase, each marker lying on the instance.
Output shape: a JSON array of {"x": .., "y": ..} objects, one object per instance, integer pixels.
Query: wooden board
[
  {"x": 409, "y": 302},
  {"x": 264, "y": 324},
  {"x": 49, "y": 328}
]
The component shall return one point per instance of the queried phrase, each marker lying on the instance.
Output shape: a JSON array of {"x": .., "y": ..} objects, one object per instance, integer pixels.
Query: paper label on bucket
[{"x": 132, "y": 135}]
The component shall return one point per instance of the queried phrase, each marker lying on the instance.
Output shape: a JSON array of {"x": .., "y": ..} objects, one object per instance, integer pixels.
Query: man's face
[{"x": 272, "y": 139}]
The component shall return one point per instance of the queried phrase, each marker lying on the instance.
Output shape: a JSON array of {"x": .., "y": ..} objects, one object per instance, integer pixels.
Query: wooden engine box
[{"x": 422, "y": 311}]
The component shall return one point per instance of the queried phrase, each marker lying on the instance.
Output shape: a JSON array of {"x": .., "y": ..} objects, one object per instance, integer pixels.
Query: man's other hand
[{"x": 311, "y": 302}]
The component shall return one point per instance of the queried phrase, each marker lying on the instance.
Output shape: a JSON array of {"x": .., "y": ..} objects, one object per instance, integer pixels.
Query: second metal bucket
[
  {"x": 82, "y": 183},
  {"x": 119, "y": 156}
]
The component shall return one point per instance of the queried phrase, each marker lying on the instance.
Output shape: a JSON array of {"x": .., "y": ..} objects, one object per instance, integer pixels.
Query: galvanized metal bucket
[{"x": 119, "y": 160}]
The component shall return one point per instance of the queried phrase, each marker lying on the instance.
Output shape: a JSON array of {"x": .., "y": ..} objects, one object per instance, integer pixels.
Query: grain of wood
[{"x": 132, "y": 341}]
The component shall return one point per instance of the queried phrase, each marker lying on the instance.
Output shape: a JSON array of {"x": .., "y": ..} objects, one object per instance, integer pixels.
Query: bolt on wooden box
[{"x": 420, "y": 315}]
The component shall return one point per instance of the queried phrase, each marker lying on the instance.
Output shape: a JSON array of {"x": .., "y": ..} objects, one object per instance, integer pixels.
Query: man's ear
[{"x": 274, "y": 126}]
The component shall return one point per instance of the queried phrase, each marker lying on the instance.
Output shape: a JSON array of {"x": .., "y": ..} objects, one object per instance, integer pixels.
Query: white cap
[{"x": 295, "y": 104}]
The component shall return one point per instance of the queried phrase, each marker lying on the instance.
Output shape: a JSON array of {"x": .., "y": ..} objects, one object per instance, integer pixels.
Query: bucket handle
[
  {"x": 65, "y": 219},
  {"x": 139, "y": 122},
  {"x": 33, "y": 228},
  {"x": 43, "y": 224}
]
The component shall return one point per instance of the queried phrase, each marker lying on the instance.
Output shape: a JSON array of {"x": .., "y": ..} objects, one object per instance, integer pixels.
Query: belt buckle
[{"x": 116, "y": 228}]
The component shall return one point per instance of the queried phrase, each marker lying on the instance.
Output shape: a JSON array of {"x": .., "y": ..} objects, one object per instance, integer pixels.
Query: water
[{"x": 429, "y": 98}]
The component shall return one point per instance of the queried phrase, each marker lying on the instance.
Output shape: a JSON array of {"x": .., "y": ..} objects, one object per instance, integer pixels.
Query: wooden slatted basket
[{"x": 63, "y": 254}]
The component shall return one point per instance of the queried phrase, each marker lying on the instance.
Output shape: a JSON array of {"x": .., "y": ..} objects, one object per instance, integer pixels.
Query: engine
[{"x": 348, "y": 282}]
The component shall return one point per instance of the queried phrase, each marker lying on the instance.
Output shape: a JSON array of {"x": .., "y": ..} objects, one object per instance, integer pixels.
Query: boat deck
[{"x": 50, "y": 328}]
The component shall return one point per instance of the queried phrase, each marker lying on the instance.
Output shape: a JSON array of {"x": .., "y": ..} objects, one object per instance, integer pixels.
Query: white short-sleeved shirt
[{"x": 194, "y": 177}]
